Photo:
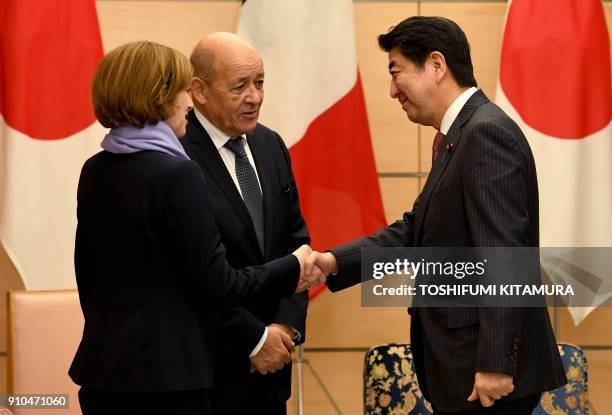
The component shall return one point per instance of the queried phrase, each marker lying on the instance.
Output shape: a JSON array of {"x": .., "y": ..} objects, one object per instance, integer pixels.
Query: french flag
[{"x": 314, "y": 100}]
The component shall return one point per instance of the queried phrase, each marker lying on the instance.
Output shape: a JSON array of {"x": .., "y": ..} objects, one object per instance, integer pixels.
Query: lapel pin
[{"x": 449, "y": 149}]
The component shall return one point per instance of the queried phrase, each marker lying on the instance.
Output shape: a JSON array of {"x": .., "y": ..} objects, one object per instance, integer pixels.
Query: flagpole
[{"x": 300, "y": 379}]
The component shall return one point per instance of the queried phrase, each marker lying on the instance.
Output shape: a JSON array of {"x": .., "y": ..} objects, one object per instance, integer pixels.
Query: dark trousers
[
  {"x": 523, "y": 406},
  {"x": 259, "y": 397},
  {"x": 95, "y": 402},
  {"x": 262, "y": 401}
]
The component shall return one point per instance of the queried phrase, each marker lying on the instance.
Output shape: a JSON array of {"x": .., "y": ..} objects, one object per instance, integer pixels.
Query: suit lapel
[
  {"x": 449, "y": 147},
  {"x": 212, "y": 162},
  {"x": 265, "y": 171}
]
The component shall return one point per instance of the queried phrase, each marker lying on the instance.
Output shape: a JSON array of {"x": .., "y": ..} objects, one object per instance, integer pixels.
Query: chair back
[
  {"x": 572, "y": 398},
  {"x": 45, "y": 328},
  {"x": 390, "y": 383}
]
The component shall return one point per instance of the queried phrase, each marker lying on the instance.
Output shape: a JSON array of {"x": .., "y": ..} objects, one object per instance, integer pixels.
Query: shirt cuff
[
  {"x": 259, "y": 345},
  {"x": 295, "y": 334}
]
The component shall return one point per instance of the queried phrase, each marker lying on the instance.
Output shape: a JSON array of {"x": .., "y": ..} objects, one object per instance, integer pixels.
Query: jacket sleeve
[
  {"x": 84, "y": 259},
  {"x": 199, "y": 255},
  {"x": 240, "y": 330},
  {"x": 348, "y": 256},
  {"x": 84, "y": 265},
  {"x": 496, "y": 203},
  {"x": 292, "y": 311}
]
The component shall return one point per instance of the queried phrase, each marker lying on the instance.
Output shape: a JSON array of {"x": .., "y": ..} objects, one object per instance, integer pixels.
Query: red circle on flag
[
  {"x": 555, "y": 66},
  {"x": 48, "y": 54}
]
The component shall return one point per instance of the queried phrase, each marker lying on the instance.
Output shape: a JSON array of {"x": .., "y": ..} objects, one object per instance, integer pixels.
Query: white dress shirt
[
  {"x": 455, "y": 108},
  {"x": 219, "y": 139}
]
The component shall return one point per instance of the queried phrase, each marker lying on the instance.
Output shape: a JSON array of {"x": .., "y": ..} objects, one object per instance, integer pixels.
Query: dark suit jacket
[
  {"x": 483, "y": 193},
  {"x": 284, "y": 231},
  {"x": 151, "y": 275}
]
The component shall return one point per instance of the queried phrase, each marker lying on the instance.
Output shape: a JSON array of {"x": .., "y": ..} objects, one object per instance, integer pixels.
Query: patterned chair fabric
[
  {"x": 390, "y": 383},
  {"x": 391, "y": 387},
  {"x": 571, "y": 399}
]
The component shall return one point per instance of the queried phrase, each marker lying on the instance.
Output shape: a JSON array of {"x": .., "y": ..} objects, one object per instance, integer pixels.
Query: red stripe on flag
[
  {"x": 336, "y": 175},
  {"x": 48, "y": 53}
]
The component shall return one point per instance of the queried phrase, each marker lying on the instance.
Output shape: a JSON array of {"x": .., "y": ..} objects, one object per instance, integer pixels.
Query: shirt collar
[
  {"x": 218, "y": 137},
  {"x": 455, "y": 108}
]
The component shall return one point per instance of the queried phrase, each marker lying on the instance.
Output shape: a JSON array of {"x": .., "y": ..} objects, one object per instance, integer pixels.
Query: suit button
[
  {"x": 410, "y": 311},
  {"x": 515, "y": 347},
  {"x": 512, "y": 357}
]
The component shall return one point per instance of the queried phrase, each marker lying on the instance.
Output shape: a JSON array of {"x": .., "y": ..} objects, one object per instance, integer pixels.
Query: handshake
[
  {"x": 314, "y": 267},
  {"x": 275, "y": 352}
]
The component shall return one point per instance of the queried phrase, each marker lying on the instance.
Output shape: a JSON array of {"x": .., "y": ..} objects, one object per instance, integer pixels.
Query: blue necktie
[{"x": 249, "y": 187}]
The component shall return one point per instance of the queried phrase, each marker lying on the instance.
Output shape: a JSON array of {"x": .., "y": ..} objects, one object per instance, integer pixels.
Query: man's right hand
[
  {"x": 274, "y": 353},
  {"x": 310, "y": 276},
  {"x": 325, "y": 262}
]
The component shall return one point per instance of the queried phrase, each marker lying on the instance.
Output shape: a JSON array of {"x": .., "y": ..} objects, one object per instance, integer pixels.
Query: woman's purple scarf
[{"x": 131, "y": 139}]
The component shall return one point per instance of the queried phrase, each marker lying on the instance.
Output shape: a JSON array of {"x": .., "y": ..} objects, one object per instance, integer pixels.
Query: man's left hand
[
  {"x": 489, "y": 387},
  {"x": 275, "y": 352}
]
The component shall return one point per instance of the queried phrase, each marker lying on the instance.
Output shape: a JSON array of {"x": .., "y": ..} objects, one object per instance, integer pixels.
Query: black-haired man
[{"x": 481, "y": 192}]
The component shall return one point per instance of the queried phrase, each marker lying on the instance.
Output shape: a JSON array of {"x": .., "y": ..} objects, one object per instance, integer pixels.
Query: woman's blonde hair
[{"x": 137, "y": 83}]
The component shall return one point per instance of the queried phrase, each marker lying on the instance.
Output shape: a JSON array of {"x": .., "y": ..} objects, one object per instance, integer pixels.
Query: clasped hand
[
  {"x": 314, "y": 267},
  {"x": 275, "y": 352}
]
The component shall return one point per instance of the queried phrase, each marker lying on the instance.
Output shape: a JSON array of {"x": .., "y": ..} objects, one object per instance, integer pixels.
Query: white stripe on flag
[
  {"x": 307, "y": 70},
  {"x": 38, "y": 216}
]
